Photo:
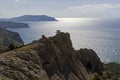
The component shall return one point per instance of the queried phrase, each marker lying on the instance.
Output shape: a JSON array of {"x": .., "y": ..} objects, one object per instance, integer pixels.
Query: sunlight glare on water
[{"x": 101, "y": 35}]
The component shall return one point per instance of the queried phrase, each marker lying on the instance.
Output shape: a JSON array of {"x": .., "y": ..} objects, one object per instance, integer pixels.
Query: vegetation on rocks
[
  {"x": 52, "y": 58},
  {"x": 7, "y": 38}
]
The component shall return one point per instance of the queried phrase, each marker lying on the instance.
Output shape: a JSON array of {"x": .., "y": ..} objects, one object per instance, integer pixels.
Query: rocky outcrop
[
  {"x": 90, "y": 60},
  {"x": 51, "y": 58},
  {"x": 9, "y": 37},
  {"x": 57, "y": 57}
]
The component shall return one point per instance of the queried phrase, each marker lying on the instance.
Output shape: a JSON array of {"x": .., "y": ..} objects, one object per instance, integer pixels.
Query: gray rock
[
  {"x": 90, "y": 60},
  {"x": 52, "y": 58}
]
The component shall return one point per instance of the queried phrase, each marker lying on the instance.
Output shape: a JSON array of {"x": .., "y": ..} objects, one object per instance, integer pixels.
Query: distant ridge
[
  {"x": 31, "y": 18},
  {"x": 11, "y": 24}
]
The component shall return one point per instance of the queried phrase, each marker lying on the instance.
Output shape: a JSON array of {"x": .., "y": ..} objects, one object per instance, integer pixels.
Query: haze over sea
[{"x": 101, "y": 35}]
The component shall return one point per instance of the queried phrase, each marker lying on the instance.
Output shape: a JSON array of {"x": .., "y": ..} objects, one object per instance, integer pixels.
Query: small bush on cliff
[{"x": 11, "y": 46}]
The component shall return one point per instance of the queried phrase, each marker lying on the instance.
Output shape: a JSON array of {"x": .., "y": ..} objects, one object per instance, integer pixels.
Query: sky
[{"x": 61, "y": 8}]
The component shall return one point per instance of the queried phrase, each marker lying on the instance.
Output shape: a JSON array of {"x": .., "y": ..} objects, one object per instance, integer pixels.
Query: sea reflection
[{"x": 101, "y": 35}]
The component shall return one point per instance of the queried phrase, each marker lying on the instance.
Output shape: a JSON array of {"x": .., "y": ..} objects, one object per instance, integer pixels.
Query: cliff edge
[
  {"x": 49, "y": 58},
  {"x": 8, "y": 37}
]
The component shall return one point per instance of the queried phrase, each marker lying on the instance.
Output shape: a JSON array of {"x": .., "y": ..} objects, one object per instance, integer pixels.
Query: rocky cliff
[
  {"x": 90, "y": 60},
  {"x": 9, "y": 37},
  {"x": 50, "y": 58}
]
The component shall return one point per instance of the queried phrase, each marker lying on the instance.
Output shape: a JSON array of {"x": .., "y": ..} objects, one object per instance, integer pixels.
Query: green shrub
[{"x": 11, "y": 46}]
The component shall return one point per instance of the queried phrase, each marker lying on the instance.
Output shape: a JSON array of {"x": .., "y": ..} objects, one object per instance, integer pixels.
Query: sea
[{"x": 101, "y": 35}]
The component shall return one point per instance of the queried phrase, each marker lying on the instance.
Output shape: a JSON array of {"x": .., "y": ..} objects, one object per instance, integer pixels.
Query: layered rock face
[
  {"x": 51, "y": 58},
  {"x": 8, "y": 37}
]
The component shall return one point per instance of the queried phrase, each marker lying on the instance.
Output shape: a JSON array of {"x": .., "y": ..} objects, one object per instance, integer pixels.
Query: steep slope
[
  {"x": 51, "y": 58},
  {"x": 90, "y": 60},
  {"x": 8, "y": 37}
]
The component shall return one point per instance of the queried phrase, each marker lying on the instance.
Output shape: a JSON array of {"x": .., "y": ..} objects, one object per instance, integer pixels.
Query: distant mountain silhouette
[{"x": 31, "y": 18}]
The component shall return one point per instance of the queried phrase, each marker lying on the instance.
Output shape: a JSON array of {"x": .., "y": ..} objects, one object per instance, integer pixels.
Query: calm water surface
[{"x": 101, "y": 35}]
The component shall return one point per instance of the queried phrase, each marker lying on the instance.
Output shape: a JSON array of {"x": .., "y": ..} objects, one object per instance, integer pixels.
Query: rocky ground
[{"x": 52, "y": 58}]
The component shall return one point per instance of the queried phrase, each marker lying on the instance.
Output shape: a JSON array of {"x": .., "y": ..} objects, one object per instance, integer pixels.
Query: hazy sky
[{"x": 61, "y": 8}]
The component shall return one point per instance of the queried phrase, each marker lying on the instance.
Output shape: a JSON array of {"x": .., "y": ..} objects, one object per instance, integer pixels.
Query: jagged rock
[
  {"x": 90, "y": 60},
  {"x": 17, "y": 67},
  {"x": 62, "y": 60},
  {"x": 51, "y": 58}
]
